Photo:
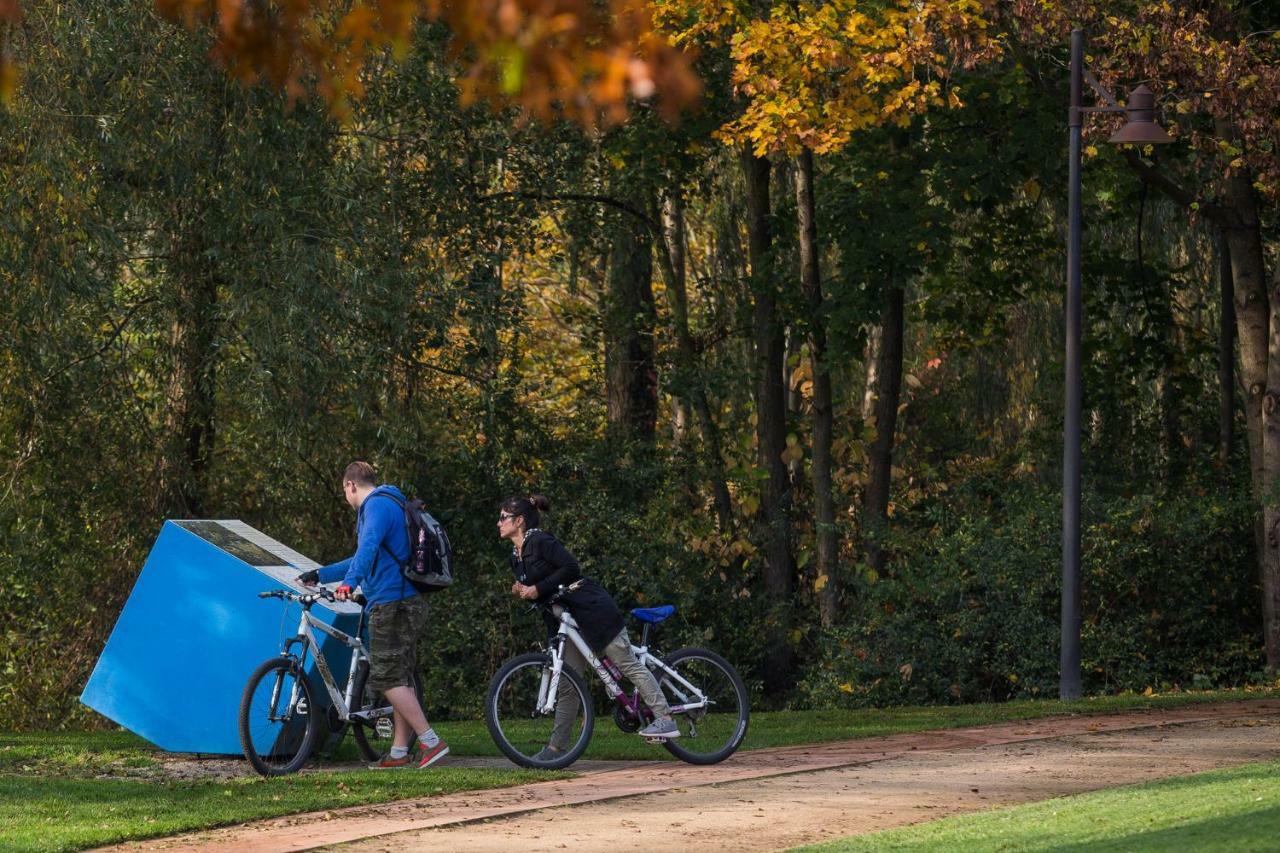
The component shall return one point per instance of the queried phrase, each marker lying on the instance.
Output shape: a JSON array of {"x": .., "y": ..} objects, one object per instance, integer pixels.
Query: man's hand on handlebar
[
  {"x": 309, "y": 578},
  {"x": 528, "y": 593},
  {"x": 342, "y": 593}
]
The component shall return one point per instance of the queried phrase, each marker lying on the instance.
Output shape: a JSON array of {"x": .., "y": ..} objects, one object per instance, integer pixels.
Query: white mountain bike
[
  {"x": 280, "y": 720},
  {"x": 707, "y": 697}
]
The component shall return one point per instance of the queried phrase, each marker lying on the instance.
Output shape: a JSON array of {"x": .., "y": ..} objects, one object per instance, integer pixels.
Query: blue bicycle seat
[{"x": 653, "y": 615}]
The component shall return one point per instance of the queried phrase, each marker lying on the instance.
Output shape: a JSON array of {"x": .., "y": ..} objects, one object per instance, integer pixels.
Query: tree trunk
[
  {"x": 880, "y": 407},
  {"x": 771, "y": 428},
  {"x": 825, "y": 571},
  {"x": 791, "y": 363},
  {"x": 190, "y": 394},
  {"x": 1226, "y": 355},
  {"x": 1260, "y": 372},
  {"x": 674, "y": 271},
  {"x": 631, "y": 377},
  {"x": 1172, "y": 452},
  {"x": 1259, "y": 363}
]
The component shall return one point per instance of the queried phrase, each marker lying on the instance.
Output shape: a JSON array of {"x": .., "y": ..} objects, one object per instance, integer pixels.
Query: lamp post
[{"x": 1140, "y": 129}]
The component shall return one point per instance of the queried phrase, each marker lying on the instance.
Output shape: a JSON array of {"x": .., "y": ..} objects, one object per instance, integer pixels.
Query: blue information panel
[{"x": 193, "y": 630}]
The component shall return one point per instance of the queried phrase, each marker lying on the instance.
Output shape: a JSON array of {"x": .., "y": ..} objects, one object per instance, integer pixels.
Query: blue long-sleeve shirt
[{"x": 380, "y": 527}]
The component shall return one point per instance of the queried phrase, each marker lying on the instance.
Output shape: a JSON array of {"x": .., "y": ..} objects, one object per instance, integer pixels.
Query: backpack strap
[{"x": 383, "y": 545}]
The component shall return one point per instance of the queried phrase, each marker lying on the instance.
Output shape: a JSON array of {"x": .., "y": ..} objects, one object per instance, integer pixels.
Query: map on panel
[{"x": 259, "y": 550}]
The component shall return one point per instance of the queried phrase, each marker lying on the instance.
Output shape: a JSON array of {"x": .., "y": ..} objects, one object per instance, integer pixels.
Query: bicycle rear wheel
[
  {"x": 278, "y": 726},
  {"x": 373, "y": 737},
  {"x": 511, "y": 712},
  {"x": 710, "y": 734}
]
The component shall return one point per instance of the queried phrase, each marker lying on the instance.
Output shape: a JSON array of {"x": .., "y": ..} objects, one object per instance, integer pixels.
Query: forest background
[{"x": 779, "y": 333}]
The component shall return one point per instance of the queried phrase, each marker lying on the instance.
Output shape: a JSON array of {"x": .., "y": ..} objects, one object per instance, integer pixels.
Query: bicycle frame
[
  {"x": 548, "y": 689},
  {"x": 341, "y": 703}
]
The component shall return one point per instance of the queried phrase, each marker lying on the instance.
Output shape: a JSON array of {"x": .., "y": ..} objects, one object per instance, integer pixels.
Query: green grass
[
  {"x": 68, "y": 790},
  {"x": 788, "y": 728},
  {"x": 42, "y": 813},
  {"x": 1236, "y": 810}
]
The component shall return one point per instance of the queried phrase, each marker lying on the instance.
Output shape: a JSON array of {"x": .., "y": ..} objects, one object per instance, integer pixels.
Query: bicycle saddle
[{"x": 653, "y": 615}]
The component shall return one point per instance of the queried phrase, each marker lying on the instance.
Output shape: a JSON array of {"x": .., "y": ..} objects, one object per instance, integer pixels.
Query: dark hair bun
[{"x": 540, "y": 503}]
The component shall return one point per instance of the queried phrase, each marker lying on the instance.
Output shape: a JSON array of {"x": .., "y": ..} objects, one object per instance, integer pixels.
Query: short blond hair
[{"x": 361, "y": 473}]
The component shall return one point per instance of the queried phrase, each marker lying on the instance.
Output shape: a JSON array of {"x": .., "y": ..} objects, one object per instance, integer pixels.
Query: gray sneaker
[
  {"x": 547, "y": 754},
  {"x": 660, "y": 729}
]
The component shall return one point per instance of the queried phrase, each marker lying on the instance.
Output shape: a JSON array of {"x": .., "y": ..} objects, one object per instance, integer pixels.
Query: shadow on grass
[{"x": 1253, "y": 830}]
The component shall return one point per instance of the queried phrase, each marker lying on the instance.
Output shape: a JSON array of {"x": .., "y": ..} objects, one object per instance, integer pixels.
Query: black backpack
[{"x": 430, "y": 564}]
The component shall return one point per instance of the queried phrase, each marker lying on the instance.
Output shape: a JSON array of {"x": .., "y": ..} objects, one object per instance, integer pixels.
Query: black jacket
[{"x": 546, "y": 564}]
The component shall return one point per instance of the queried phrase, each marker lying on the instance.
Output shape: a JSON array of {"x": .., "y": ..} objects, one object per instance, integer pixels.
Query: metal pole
[{"x": 1069, "y": 684}]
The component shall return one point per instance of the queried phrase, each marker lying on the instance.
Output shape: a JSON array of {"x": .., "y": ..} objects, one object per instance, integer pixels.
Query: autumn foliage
[
  {"x": 574, "y": 59},
  {"x": 1218, "y": 82},
  {"x": 812, "y": 74}
]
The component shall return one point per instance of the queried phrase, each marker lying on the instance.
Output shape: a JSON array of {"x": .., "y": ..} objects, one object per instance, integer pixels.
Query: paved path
[{"x": 769, "y": 799}]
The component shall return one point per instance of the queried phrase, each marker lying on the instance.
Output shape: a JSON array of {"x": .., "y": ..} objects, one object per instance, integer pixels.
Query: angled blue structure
[{"x": 193, "y": 629}]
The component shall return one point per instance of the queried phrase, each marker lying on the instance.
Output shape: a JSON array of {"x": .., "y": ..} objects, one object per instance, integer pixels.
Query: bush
[{"x": 969, "y": 610}]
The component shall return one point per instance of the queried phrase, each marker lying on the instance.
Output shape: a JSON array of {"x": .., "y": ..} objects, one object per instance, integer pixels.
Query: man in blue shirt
[{"x": 397, "y": 613}]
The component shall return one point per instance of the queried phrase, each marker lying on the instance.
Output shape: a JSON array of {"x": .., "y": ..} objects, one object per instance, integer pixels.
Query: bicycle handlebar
[{"x": 320, "y": 594}]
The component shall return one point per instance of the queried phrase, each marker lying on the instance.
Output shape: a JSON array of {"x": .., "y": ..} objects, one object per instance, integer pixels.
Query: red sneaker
[
  {"x": 388, "y": 762},
  {"x": 432, "y": 755}
]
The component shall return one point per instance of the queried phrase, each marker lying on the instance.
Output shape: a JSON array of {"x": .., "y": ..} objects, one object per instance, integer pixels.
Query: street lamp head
[{"x": 1141, "y": 127}]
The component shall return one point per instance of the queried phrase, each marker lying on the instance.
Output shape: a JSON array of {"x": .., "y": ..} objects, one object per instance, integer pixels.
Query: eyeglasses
[{"x": 504, "y": 516}]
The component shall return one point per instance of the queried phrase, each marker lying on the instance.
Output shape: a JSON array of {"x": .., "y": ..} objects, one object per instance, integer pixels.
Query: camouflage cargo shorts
[{"x": 394, "y": 629}]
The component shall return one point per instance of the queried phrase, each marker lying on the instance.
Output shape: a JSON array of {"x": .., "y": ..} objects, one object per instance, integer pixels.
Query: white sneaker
[{"x": 660, "y": 729}]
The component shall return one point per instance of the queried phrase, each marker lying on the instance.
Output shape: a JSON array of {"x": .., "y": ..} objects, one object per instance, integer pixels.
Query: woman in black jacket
[{"x": 542, "y": 566}]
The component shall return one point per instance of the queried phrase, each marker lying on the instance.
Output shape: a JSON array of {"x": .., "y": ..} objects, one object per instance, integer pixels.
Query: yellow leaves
[
  {"x": 1091, "y": 151},
  {"x": 794, "y": 451},
  {"x": 820, "y": 582},
  {"x": 905, "y": 671},
  {"x": 10, "y": 71},
  {"x": 10, "y": 74},
  {"x": 813, "y": 74},
  {"x": 846, "y": 687}
]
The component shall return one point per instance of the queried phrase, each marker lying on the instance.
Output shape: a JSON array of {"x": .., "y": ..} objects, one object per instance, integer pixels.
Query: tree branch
[
  {"x": 1178, "y": 193},
  {"x": 115, "y": 334},
  {"x": 608, "y": 201}
]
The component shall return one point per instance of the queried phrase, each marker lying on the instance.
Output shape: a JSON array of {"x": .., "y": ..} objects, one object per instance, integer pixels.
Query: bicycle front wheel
[
  {"x": 709, "y": 734},
  {"x": 520, "y": 730},
  {"x": 278, "y": 720},
  {"x": 373, "y": 736}
]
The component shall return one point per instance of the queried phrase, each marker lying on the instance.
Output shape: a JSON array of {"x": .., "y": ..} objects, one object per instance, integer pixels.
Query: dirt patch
[
  {"x": 776, "y": 798},
  {"x": 786, "y": 811}
]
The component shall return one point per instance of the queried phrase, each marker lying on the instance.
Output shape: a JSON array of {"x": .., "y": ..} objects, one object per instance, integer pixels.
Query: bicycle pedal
[
  {"x": 384, "y": 727},
  {"x": 655, "y": 740}
]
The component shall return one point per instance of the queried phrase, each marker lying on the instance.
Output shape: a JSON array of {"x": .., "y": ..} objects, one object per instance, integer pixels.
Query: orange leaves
[
  {"x": 572, "y": 58},
  {"x": 576, "y": 59},
  {"x": 10, "y": 18}
]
